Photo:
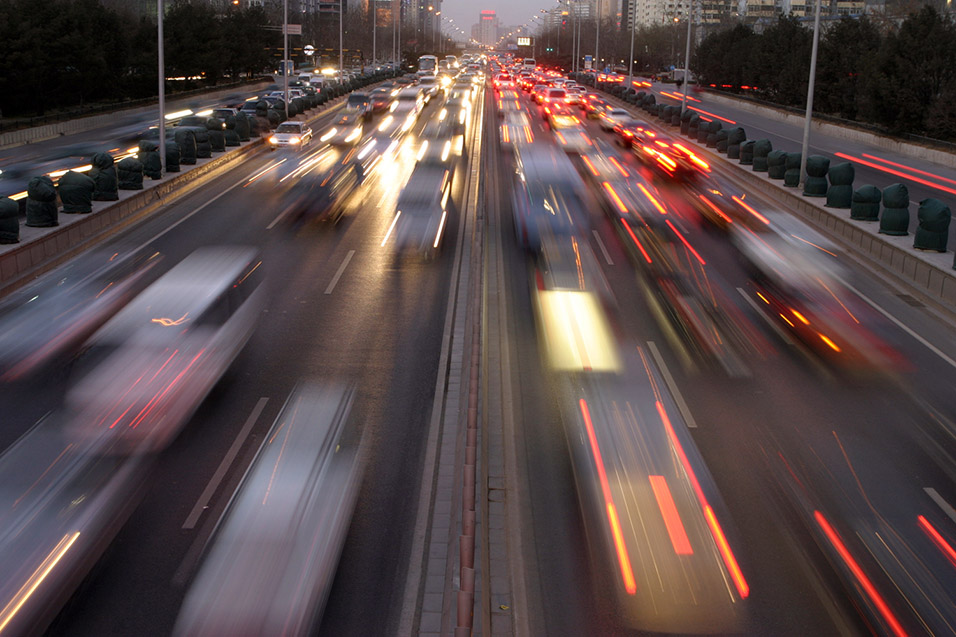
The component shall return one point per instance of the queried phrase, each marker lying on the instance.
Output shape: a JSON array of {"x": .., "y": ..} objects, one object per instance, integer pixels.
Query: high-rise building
[{"x": 487, "y": 31}]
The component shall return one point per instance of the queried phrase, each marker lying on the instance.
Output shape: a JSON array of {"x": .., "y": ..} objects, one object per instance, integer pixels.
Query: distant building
[{"x": 486, "y": 32}]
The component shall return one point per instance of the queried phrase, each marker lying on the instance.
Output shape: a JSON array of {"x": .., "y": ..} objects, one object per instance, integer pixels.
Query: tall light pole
[
  {"x": 805, "y": 148},
  {"x": 630, "y": 61},
  {"x": 285, "y": 56},
  {"x": 690, "y": 20},
  {"x": 374, "y": 22},
  {"x": 597, "y": 29},
  {"x": 341, "y": 51},
  {"x": 162, "y": 89}
]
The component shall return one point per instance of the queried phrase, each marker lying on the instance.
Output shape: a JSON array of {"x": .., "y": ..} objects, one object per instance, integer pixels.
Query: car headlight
[
  {"x": 294, "y": 140},
  {"x": 273, "y": 140}
]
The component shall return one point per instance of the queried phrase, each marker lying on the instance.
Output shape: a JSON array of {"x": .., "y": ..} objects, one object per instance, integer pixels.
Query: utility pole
[
  {"x": 690, "y": 20},
  {"x": 630, "y": 60},
  {"x": 162, "y": 90},
  {"x": 341, "y": 51},
  {"x": 374, "y": 23},
  {"x": 597, "y": 30},
  {"x": 285, "y": 55},
  {"x": 805, "y": 148}
]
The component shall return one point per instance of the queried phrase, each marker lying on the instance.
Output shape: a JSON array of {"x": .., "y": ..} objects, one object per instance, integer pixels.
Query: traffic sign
[
  {"x": 294, "y": 29},
  {"x": 308, "y": 49}
]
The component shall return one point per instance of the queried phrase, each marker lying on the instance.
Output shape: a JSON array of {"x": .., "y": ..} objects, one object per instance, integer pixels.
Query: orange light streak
[
  {"x": 700, "y": 110},
  {"x": 675, "y": 528},
  {"x": 617, "y": 200},
  {"x": 717, "y": 211},
  {"x": 728, "y": 556},
  {"x": 904, "y": 167},
  {"x": 627, "y": 573},
  {"x": 896, "y": 173},
  {"x": 860, "y": 576},
  {"x": 636, "y": 242},
  {"x": 653, "y": 199},
  {"x": 747, "y": 207},
  {"x": 686, "y": 243},
  {"x": 619, "y": 167},
  {"x": 938, "y": 539}
]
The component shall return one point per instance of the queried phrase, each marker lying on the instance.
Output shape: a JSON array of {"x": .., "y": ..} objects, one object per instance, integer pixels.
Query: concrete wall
[{"x": 836, "y": 131}]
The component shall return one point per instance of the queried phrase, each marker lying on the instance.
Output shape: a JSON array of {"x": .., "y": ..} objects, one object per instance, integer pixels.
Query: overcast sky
[{"x": 510, "y": 12}]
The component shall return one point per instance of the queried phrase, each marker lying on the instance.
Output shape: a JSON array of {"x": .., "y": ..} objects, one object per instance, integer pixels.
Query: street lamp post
[
  {"x": 690, "y": 20},
  {"x": 162, "y": 90},
  {"x": 630, "y": 61},
  {"x": 341, "y": 51},
  {"x": 805, "y": 148},
  {"x": 597, "y": 30},
  {"x": 285, "y": 56},
  {"x": 374, "y": 22}
]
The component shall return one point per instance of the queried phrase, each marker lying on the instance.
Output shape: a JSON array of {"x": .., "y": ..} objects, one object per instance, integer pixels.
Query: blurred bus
[{"x": 428, "y": 65}]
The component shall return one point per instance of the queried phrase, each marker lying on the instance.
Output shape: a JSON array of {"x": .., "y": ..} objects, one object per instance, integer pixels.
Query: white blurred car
[
  {"x": 269, "y": 567},
  {"x": 291, "y": 134}
]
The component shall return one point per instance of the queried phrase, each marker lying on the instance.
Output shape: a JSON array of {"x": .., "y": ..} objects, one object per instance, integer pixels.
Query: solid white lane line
[
  {"x": 900, "y": 325},
  {"x": 197, "y": 210},
  {"x": 339, "y": 272},
  {"x": 672, "y": 385},
  {"x": 776, "y": 328},
  {"x": 943, "y": 504},
  {"x": 607, "y": 257},
  {"x": 224, "y": 465}
]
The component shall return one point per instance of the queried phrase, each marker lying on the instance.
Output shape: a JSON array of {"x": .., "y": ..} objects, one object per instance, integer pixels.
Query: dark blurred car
[
  {"x": 624, "y": 132},
  {"x": 359, "y": 104},
  {"x": 546, "y": 196},
  {"x": 193, "y": 120},
  {"x": 323, "y": 195},
  {"x": 222, "y": 113},
  {"x": 380, "y": 98}
]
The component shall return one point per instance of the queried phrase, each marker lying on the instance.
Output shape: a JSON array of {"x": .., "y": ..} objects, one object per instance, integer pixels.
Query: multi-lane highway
[{"x": 755, "y": 485}]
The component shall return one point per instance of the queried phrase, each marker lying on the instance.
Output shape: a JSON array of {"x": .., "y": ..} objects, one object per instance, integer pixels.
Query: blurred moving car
[
  {"x": 291, "y": 135},
  {"x": 359, "y": 104},
  {"x": 318, "y": 195},
  {"x": 546, "y": 196},
  {"x": 516, "y": 128},
  {"x": 222, "y": 113},
  {"x": 569, "y": 133},
  {"x": 151, "y": 365},
  {"x": 269, "y": 567},
  {"x": 380, "y": 98},
  {"x": 801, "y": 288},
  {"x": 421, "y": 211},
  {"x": 345, "y": 129},
  {"x": 51, "y": 319},
  {"x": 430, "y": 86}
]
